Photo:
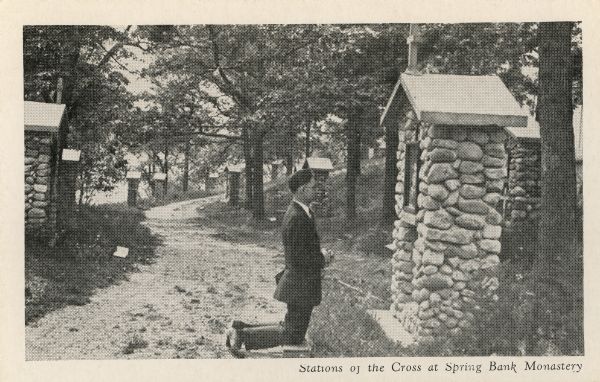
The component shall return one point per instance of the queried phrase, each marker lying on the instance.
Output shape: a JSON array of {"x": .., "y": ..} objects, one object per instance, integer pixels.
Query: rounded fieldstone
[
  {"x": 428, "y": 203},
  {"x": 31, "y": 153},
  {"x": 489, "y": 161},
  {"x": 446, "y": 269},
  {"x": 490, "y": 261},
  {"x": 453, "y": 211},
  {"x": 435, "y": 298},
  {"x": 420, "y": 295},
  {"x": 472, "y": 178},
  {"x": 39, "y": 204},
  {"x": 29, "y": 160},
  {"x": 495, "y": 150},
  {"x": 430, "y": 269},
  {"x": 489, "y": 245},
  {"x": 438, "y": 219},
  {"x": 40, "y": 188},
  {"x": 28, "y": 188},
  {"x": 44, "y": 158},
  {"x": 438, "y": 192},
  {"x": 436, "y": 245},
  {"x": 469, "y": 191},
  {"x": 45, "y": 172},
  {"x": 492, "y": 198},
  {"x": 518, "y": 191},
  {"x": 442, "y": 155},
  {"x": 432, "y": 323},
  {"x": 458, "y": 286},
  {"x": 492, "y": 232},
  {"x": 467, "y": 251},
  {"x": 495, "y": 185},
  {"x": 474, "y": 206},
  {"x": 495, "y": 173},
  {"x": 518, "y": 215},
  {"x": 436, "y": 281},
  {"x": 36, "y": 213},
  {"x": 405, "y": 234},
  {"x": 452, "y": 184},
  {"x": 39, "y": 196},
  {"x": 469, "y": 151},
  {"x": 469, "y": 167},
  {"x": 454, "y": 235},
  {"x": 36, "y": 220},
  {"x": 432, "y": 258},
  {"x": 439, "y": 172},
  {"x": 42, "y": 166},
  {"x": 470, "y": 265},
  {"x": 426, "y": 314},
  {"x": 451, "y": 200},
  {"x": 399, "y": 188},
  {"x": 470, "y": 221},
  {"x": 406, "y": 287},
  {"x": 27, "y": 169},
  {"x": 29, "y": 180},
  {"x": 444, "y": 143},
  {"x": 404, "y": 266},
  {"x": 445, "y": 293},
  {"x": 451, "y": 323},
  {"x": 459, "y": 276},
  {"x": 425, "y": 143}
]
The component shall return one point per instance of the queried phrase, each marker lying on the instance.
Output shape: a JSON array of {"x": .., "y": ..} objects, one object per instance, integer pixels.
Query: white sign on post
[{"x": 121, "y": 252}]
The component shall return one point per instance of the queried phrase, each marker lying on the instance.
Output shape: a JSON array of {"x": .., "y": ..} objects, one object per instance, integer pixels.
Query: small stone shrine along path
[{"x": 178, "y": 307}]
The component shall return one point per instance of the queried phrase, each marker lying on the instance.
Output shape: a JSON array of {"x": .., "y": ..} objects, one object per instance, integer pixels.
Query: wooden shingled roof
[
  {"x": 458, "y": 100},
  {"x": 316, "y": 163},
  {"x": 40, "y": 116}
]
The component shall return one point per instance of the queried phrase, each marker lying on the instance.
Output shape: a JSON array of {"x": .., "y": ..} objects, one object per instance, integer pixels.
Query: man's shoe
[{"x": 233, "y": 342}]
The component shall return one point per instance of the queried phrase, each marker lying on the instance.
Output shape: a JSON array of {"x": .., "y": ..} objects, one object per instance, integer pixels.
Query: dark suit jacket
[{"x": 301, "y": 280}]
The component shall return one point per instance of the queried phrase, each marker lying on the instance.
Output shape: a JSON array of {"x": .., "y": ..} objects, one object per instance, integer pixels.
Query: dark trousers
[{"x": 291, "y": 332}]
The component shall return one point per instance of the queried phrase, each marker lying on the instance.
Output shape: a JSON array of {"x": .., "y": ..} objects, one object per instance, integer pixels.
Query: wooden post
[
  {"x": 133, "y": 181},
  {"x": 157, "y": 183},
  {"x": 70, "y": 160},
  {"x": 234, "y": 188}
]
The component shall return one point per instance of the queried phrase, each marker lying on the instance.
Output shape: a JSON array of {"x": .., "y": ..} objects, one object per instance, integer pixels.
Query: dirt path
[{"x": 177, "y": 307}]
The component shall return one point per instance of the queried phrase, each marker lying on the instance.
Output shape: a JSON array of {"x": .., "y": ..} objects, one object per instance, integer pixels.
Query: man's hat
[{"x": 299, "y": 179}]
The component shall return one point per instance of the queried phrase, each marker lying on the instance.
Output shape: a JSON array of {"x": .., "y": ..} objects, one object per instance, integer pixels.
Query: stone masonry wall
[
  {"x": 447, "y": 252},
  {"x": 523, "y": 203},
  {"x": 38, "y": 169}
]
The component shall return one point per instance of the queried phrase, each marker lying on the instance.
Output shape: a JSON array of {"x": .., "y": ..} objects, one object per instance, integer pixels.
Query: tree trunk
[
  {"x": 307, "y": 142},
  {"x": 289, "y": 155},
  {"x": 186, "y": 167},
  {"x": 166, "y": 168},
  {"x": 557, "y": 269},
  {"x": 388, "y": 215},
  {"x": 247, "y": 146},
  {"x": 258, "y": 203},
  {"x": 353, "y": 164}
]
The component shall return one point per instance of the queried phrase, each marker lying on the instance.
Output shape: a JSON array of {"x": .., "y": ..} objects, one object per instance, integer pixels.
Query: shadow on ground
[{"x": 83, "y": 261}]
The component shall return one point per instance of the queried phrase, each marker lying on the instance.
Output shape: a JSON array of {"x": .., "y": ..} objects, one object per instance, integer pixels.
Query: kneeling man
[{"x": 299, "y": 284}]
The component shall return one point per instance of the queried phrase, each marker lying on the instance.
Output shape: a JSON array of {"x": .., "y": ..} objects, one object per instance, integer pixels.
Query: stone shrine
[
  {"x": 42, "y": 124},
  {"x": 452, "y": 166}
]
